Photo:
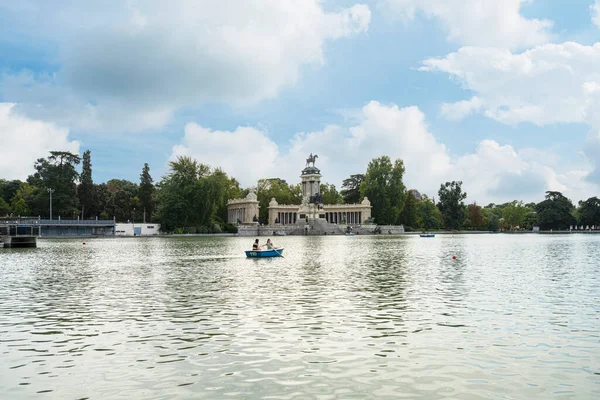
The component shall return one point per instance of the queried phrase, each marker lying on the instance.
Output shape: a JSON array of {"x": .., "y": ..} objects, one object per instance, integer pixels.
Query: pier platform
[{"x": 16, "y": 235}]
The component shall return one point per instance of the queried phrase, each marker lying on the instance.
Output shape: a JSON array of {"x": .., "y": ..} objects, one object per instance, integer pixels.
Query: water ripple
[{"x": 371, "y": 317}]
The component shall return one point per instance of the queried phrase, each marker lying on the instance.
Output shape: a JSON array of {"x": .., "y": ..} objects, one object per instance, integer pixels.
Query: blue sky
[{"x": 501, "y": 95}]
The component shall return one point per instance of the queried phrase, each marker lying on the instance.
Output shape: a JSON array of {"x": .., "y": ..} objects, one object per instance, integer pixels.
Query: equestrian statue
[{"x": 311, "y": 159}]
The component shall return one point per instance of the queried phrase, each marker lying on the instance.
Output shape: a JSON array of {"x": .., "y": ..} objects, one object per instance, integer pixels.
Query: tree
[
  {"x": 514, "y": 214},
  {"x": 531, "y": 219},
  {"x": 8, "y": 189},
  {"x": 589, "y": 212},
  {"x": 555, "y": 211},
  {"x": 384, "y": 187},
  {"x": 330, "y": 194},
  {"x": 233, "y": 191},
  {"x": 58, "y": 172},
  {"x": 190, "y": 196},
  {"x": 351, "y": 189},
  {"x": 409, "y": 216},
  {"x": 474, "y": 217},
  {"x": 278, "y": 189},
  {"x": 146, "y": 192},
  {"x": 116, "y": 198},
  {"x": 86, "y": 190},
  {"x": 4, "y": 208},
  {"x": 19, "y": 202},
  {"x": 429, "y": 216},
  {"x": 491, "y": 218},
  {"x": 451, "y": 204}
]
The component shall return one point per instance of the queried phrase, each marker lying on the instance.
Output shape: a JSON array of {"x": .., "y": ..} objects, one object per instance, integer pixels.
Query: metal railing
[{"x": 48, "y": 222}]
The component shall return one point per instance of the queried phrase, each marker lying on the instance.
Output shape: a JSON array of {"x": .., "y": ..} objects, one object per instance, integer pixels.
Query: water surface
[{"x": 512, "y": 317}]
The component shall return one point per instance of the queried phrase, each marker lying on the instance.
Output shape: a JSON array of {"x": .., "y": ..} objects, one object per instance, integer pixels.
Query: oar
[{"x": 278, "y": 253}]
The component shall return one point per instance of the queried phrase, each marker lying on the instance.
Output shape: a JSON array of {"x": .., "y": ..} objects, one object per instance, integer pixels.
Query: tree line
[{"x": 192, "y": 198}]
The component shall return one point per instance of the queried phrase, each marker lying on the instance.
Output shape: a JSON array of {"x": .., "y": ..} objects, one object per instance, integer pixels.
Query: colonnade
[
  {"x": 287, "y": 218},
  {"x": 236, "y": 214},
  {"x": 347, "y": 217}
]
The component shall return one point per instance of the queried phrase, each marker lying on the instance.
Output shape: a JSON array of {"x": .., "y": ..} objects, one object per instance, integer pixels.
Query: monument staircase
[{"x": 321, "y": 227}]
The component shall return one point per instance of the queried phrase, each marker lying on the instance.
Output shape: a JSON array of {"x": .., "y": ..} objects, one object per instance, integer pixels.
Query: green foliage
[
  {"x": 118, "y": 198},
  {"x": 230, "y": 228},
  {"x": 451, "y": 204},
  {"x": 555, "y": 211},
  {"x": 233, "y": 191},
  {"x": 429, "y": 216},
  {"x": 330, "y": 194},
  {"x": 190, "y": 196},
  {"x": 531, "y": 219},
  {"x": 4, "y": 208},
  {"x": 351, "y": 189},
  {"x": 279, "y": 189},
  {"x": 146, "y": 193},
  {"x": 57, "y": 172},
  {"x": 19, "y": 202},
  {"x": 514, "y": 214},
  {"x": 408, "y": 216},
  {"x": 384, "y": 187},
  {"x": 475, "y": 218},
  {"x": 8, "y": 189},
  {"x": 86, "y": 190},
  {"x": 491, "y": 219},
  {"x": 589, "y": 212}
]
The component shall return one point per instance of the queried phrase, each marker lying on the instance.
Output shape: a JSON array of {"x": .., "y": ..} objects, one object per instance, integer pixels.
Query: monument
[{"x": 311, "y": 211}]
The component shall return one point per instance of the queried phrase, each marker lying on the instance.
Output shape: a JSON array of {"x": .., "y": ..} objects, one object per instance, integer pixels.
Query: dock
[
  {"x": 23, "y": 232},
  {"x": 17, "y": 235}
]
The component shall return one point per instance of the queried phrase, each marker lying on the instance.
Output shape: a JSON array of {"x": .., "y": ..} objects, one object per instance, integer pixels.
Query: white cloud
[
  {"x": 138, "y": 57},
  {"x": 23, "y": 141},
  {"x": 493, "y": 172},
  {"x": 461, "y": 109},
  {"x": 595, "y": 11},
  {"x": 549, "y": 84},
  {"x": 479, "y": 22},
  {"x": 545, "y": 85},
  {"x": 246, "y": 153}
]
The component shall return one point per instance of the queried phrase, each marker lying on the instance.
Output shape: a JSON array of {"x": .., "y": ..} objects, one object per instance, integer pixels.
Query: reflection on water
[{"x": 338, "y": 317}]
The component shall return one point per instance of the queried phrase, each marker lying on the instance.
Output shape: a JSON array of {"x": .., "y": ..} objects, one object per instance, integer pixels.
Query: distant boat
[
  {"x": 281, "y": 234},
  {"x": 350, "y": 234},
  {"x": 427, "y": 235},
  {"x": 264, "y": 253}
]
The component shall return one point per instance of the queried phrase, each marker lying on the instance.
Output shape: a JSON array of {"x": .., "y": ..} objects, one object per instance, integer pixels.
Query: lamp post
[
  {"x": 133, "y": 221},
  {"x": 50, "y": 190}
]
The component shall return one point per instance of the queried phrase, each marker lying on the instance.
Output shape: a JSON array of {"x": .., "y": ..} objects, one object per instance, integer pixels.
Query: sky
[{"x": 502, "y": 95}]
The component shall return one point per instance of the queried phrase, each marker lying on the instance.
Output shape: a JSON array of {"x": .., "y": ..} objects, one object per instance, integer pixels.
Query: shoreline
[{"x": 395, "y": 234}]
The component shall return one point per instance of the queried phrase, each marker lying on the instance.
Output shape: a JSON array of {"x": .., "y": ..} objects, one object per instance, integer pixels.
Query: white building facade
[
  {"x": 243, "y": 211},
  {"x": 137, "y": 229}
]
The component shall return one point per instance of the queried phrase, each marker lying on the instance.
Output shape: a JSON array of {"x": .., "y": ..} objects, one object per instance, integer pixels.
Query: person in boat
[
  {"x": 255, "y": 245},
  {"x": 269, "y": 244}
]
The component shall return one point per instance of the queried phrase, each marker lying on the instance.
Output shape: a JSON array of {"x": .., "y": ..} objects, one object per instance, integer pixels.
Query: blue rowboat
[
  {"x": 349, "y": 234},
  {"x": 264, "y": 253},
  {"x": 427, "y": 235}
]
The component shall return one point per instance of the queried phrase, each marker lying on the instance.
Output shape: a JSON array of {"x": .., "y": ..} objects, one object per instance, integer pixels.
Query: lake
[{"x": 364, "y": 317}]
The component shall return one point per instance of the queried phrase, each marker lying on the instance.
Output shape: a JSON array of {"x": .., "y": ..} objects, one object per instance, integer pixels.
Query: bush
[{"x": 230, "y": 228}]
